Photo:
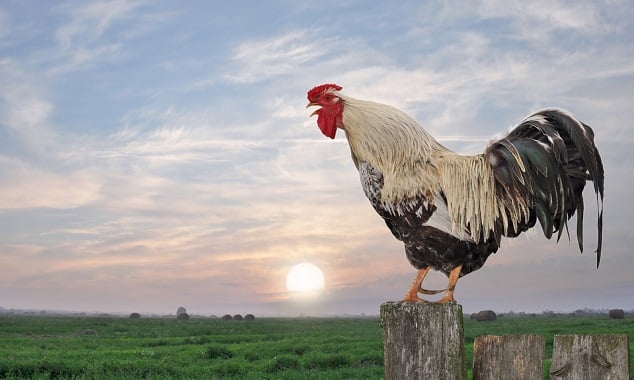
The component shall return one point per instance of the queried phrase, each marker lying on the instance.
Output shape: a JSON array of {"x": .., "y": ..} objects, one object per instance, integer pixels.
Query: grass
[{"x": 47, "y": 347}]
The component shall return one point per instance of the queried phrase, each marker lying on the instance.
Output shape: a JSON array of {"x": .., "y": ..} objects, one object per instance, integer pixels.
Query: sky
[{"x": 157, "y": 154}]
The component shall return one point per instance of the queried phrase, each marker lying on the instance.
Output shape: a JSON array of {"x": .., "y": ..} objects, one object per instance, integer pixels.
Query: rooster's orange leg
[
  {"x": 412, "y": 292},
  {"x": 453, "y": 279}
]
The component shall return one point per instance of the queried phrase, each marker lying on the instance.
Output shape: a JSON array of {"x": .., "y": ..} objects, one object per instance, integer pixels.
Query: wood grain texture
[
  {"x": 590, "y": 357},
  {"x": 423, "y": 341},
  {"x": 519, "y": 357}
]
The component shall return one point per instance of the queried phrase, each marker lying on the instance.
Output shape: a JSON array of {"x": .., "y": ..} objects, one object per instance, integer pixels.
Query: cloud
[
  {"x": 544, "y": 17},
  {"x": 4, "y": 24},
  {"x": 100, "y": 31},
  {"x": 262, "y": 59},
  {"x": 23, "y": 107},
  {"x": 89, "y": 21},
  {"x": 25, "y": 186}
]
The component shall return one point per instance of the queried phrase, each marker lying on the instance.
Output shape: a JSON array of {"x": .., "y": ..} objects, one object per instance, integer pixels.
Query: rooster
[{"x": 450, "y": 210}]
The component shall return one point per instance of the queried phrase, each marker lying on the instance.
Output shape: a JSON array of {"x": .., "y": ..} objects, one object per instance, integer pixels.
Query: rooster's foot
[{"x": 416, "y": 287}]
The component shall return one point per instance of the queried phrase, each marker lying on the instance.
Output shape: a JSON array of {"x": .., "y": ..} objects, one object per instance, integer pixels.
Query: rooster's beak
[{"x": 312, "y": 104}]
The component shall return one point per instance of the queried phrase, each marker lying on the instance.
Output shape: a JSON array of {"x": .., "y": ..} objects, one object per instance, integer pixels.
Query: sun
[{"x": 305, "y": 277}]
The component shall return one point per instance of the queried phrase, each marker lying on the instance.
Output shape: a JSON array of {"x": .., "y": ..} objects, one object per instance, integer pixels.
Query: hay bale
[
  {"x": 249, "y": 317},
  {"x": 135, "y": 316},
  {"x": 486, "y": 315},
  {"x": 226, "y": 317},
  {"x": 237, "y": 317},
  {"x": 182, "y": 317},
  {"x": 181, "y": 310},
  {"x": 616, "y": 314}
]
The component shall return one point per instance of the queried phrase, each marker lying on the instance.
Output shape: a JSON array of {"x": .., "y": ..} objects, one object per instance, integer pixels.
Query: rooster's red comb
[{"x": 318, "y": 90}]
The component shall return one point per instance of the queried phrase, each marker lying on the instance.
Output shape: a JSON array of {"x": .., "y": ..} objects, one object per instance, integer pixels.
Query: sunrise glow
[{"x": 305, "y": 277}]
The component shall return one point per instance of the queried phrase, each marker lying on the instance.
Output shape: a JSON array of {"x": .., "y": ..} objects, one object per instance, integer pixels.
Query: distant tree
[
  {"x": 180, "y": 310},
  {"x": 249, "y": 317},
  {"x": 182, "y": 317},
  {"x": 226, "y": 317},
  {"x": 237, "y": 317},
  {"x": 135, "y": 316}
]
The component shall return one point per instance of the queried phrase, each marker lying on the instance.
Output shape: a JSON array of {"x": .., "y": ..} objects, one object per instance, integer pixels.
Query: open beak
[{"x": 313, "y": 104}]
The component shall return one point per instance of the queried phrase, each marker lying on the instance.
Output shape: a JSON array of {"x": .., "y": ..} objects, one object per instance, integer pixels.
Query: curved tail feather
[{"x": 544, "y": 163}]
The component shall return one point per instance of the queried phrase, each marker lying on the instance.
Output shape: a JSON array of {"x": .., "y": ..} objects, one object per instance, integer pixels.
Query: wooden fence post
[
  {"x": 589, "y": 357},
  {"x": 518, "y": 357},
  {"x": 423, "y": 341}
]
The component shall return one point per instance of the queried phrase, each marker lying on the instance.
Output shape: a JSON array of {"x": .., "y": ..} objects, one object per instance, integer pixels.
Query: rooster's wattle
[{"x": 450, "y": 210}]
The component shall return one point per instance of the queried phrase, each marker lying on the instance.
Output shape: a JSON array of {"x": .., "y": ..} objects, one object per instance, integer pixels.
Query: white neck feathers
[{"x": 395, "y": 144}]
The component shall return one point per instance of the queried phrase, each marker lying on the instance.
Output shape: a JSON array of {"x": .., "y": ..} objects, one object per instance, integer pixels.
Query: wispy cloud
[
  {"x": 89, "y": 21},
  {"x": 537, "y": 21},
  {"x": 24, "y": 108},
  {"x": 4, "y": 24},
  {"x": 25, "y": 186},
  {"x": 263, "y": 59},
  {"x": 98, "y": 32}
]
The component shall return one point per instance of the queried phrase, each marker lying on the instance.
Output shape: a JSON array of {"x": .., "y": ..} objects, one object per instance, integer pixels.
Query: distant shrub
[
  {"x": 300, "y": 349},
  {"x": 237, "y": 317},
  {"x": 486, "y": 315},
  {"x": 253, "y": 356},
  {"x": 159, "y": 343},
  {"x": 182, "y": 317},
  {"x": 616, "y": 314},
  {"x": 181, "y": 310},
  {"x": 283, "y": 363},
  {"x": 217, "y": 352},
  {"x": 249, "y": 317},
  {"x": 370, "y": 361},
  {"x": 228, "y": 369},
  {"x": 197, "y": 340},
  {"x": 135, "y": 316},
  {"x": 226, "y": 317},
  {"x": 328, "y": 362}
]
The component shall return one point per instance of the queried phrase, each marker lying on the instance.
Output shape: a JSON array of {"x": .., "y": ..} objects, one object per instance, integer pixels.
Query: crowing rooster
[{"x": 449, "y": 210}]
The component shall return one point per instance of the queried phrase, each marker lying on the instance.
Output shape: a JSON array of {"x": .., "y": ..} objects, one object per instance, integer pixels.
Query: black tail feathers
[{"x": 547, "y": 160}]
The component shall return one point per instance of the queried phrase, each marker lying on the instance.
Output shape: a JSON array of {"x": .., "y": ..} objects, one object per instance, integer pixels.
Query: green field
[{"x": 45, "y": 347}]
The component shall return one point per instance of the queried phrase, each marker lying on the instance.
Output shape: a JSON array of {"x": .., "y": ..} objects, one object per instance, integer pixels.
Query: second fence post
[
  {"x": 423, "y": 341},
  {"x": 518, "y": 357}
]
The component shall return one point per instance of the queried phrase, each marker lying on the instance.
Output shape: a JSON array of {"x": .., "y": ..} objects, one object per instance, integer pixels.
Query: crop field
[{"x": 52, "y": 347}]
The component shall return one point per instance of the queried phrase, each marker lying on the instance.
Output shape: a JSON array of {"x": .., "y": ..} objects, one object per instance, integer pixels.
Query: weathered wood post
[
  {"x": 518, "y": 357},
  {"x": 589, "y": 357},
  {"x": 423, "y": 341}
]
